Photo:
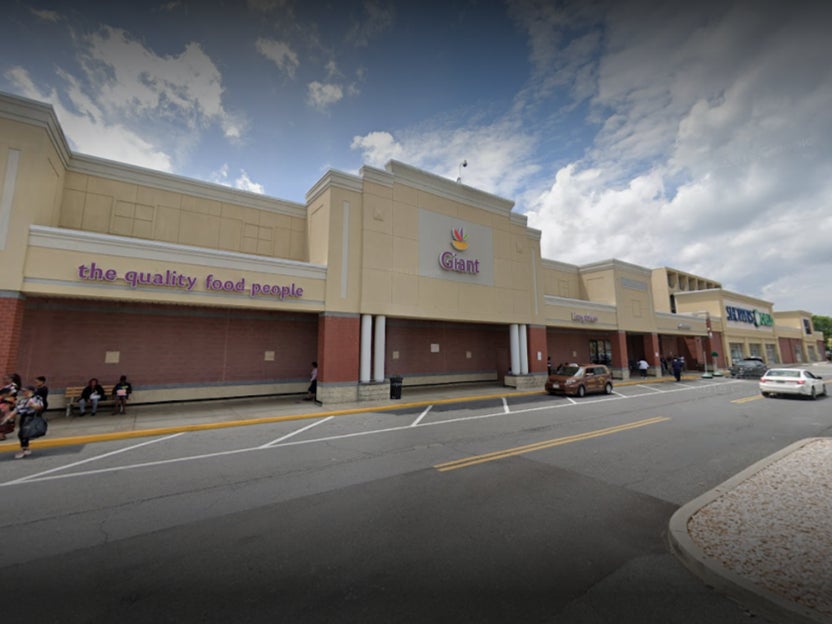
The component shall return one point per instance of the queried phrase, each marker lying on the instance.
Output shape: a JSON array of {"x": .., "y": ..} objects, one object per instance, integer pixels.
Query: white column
[
  {"x": 514, "y": 348},
  {"x": 524, "y": 350},
  {"x": 378, "y": 348},
  {"x": 366, "y": 347}
]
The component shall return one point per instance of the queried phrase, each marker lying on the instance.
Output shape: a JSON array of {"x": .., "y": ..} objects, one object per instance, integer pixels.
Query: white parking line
[
  {"x": 294, "y": 433},
  {"x": 37, "y": 475},
  {"x": 421, "y": 416},
  {"x": 505, "y": 406},
  {"x": 649, "y": 388},
  {"x": 45, "y": 476}
]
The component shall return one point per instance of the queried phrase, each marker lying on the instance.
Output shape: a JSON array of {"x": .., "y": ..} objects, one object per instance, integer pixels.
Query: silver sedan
[{"x": 799, "y": 381}]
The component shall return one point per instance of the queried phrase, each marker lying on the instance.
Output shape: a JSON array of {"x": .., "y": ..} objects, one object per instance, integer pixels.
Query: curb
[
  {"x": 722, "y": 579},
  {"x": 42, "y": 443}
]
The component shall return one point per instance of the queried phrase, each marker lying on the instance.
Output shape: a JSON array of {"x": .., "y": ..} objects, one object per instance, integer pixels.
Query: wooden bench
[{"x": 73, "y": 393}]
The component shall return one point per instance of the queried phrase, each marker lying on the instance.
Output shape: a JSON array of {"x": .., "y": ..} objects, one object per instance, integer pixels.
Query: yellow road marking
[
  {"x": 747, "y": 399},
  {"x": 537, "y": 446}
]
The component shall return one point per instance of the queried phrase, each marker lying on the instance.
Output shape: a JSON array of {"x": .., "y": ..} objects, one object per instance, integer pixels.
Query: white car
[{"x": 791, "y": 381}]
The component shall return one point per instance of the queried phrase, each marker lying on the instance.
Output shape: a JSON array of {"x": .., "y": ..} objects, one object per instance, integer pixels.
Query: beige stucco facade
[{"x": 395, "y": 243}]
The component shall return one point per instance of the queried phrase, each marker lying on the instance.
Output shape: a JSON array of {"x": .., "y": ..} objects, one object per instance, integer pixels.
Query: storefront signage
[
  {"x": 584, "y": 318},
  {"x": 453, "y": 249},
  {"x": 752, "y": 317},
  {"x": 451, "y": 261},
  {"x": 173, "y": 279}
]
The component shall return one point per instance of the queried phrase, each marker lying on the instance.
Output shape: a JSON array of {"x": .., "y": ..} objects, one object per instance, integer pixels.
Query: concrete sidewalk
[{"x": 166, "y": 418}]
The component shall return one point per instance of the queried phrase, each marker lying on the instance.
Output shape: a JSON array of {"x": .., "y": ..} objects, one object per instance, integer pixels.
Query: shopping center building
[{"x": 195, "y": 290}]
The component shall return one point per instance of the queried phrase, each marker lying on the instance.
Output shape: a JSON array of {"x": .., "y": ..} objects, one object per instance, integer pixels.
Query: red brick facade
[
  {"x": 339, "y": 340},
  {"x": 537, "y": 343},
  {"x": 411, "y": 340},
  {"x": 67, "y": 341},
  {"x": 11, "y": 324}
]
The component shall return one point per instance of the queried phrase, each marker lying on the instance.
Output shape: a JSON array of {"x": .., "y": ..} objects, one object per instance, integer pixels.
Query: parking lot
[{"x": 479, "y": 504}]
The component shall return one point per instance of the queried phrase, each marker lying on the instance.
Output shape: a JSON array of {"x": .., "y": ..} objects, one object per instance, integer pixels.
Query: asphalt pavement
[{"x": 754, "y": 581}]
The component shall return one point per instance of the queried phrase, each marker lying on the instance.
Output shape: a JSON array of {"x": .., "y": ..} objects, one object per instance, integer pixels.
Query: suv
[
  {"x": 578, "y": 379},
  {"x": 751, "y": 367}
]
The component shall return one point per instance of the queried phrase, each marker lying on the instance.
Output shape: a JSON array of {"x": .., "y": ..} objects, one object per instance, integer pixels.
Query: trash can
[{"x": 395, "y": 387}]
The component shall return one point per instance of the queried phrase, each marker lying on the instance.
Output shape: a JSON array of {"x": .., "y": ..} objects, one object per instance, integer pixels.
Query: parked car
[
  {"x": 748, "y": 368},
  {"x": 579, "y": 379},
  {"x": 797, "y": 381}
]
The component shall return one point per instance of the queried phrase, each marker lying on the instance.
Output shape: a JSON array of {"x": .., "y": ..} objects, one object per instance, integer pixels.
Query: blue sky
[{"x": 690, "y": 135}]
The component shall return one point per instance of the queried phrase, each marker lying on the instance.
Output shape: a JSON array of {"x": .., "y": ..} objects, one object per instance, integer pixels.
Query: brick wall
[
  {"x": 11, "y": 324},
  {"x": 339, "y": 348},
  {"x": 565, "y": 346},
  {"x": 412, "y": 341},
  {"x": 68, "y": 340}
]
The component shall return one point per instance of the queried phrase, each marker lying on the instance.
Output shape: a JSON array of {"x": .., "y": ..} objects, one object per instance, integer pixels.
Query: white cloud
[
  {"x": 129, "y": 79},
  {"x": 245, "y": 183},
  {"x": 713, "y": 150},
  {"x": 499, "y": 156},
  {"x": 321, "y": 96},
  {"x": 280, "y": 53},
  {"x": 242, "y": 182},
  {"x": 88, "y": 129},
  {"x": 46, "y": 15}
]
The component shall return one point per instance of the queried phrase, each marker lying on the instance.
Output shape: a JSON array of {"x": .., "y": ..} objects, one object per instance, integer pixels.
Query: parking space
[{"x": 203, "y": 445}]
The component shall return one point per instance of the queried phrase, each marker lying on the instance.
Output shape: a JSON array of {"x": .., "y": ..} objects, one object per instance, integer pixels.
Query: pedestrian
[
  {"x": 677, "y": 369},
  {"x": 92, "y": 393},
  {"x": 42, "y": 390},
  {"x": 7, "y": 405},
  {"x": 549, "y": 364},
  {"x": 312, "y": 391},
  {"x": 642, "y": 368},
  {"x": 11, "y": 385},
  {"x": 121, "y": 392},
  {"x": 28, "y": 407}
]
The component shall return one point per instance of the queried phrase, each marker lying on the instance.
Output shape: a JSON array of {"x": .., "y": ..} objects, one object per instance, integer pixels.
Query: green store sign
[{"x": 752, "y": 317}]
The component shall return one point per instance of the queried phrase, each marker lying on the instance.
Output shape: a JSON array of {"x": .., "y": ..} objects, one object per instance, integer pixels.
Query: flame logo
[{"x": 459, "y": 239}]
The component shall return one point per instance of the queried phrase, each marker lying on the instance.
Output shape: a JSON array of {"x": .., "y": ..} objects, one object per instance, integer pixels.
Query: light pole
[{"x": 464, "y": 163}]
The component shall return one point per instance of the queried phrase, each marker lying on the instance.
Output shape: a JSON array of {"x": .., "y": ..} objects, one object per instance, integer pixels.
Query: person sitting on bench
[{"x": 92, "y": 394}]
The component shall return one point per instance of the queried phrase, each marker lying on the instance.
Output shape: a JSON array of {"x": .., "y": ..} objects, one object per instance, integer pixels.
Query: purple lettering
[{"x": 451, "y": 262}]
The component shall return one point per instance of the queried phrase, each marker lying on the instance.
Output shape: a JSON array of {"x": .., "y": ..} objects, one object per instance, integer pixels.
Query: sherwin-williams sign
[
  {"x": 746, "y": 316},
  {"x": 454, "y": 249},
  {"x": 171, "y": 278}
]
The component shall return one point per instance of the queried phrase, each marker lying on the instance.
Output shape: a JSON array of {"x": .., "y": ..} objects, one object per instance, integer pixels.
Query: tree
[{"x": 823, "y": 324}]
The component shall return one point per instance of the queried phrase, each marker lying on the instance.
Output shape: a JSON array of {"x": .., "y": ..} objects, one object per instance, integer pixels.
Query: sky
[{"x": 693, "y": 135}]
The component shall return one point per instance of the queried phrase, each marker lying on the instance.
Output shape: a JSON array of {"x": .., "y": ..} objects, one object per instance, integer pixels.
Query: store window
[
  {"x": 812, "y": 355},
  {"x": 600, "y": 352},
  {"x": 754, "y": 350},
  {"x": 771, "y": 354},
  {"x": 736, "y": 351}
]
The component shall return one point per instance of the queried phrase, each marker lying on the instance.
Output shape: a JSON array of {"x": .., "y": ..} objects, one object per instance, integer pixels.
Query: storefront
[{"x": 196, "y": 290}]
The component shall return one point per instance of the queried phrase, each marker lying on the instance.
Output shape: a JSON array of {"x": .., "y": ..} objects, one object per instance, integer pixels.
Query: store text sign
[
  {"x": 453, "y": 249},
  {"x": 752, "y": 317},
  {"x": 451, "y": 261},
  {"x": 584, "y": 318},
  {"x": 173, "y": 279}
]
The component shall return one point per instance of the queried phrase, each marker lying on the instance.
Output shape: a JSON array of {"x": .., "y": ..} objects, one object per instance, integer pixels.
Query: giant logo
[{"x": 451, "y": 261}]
